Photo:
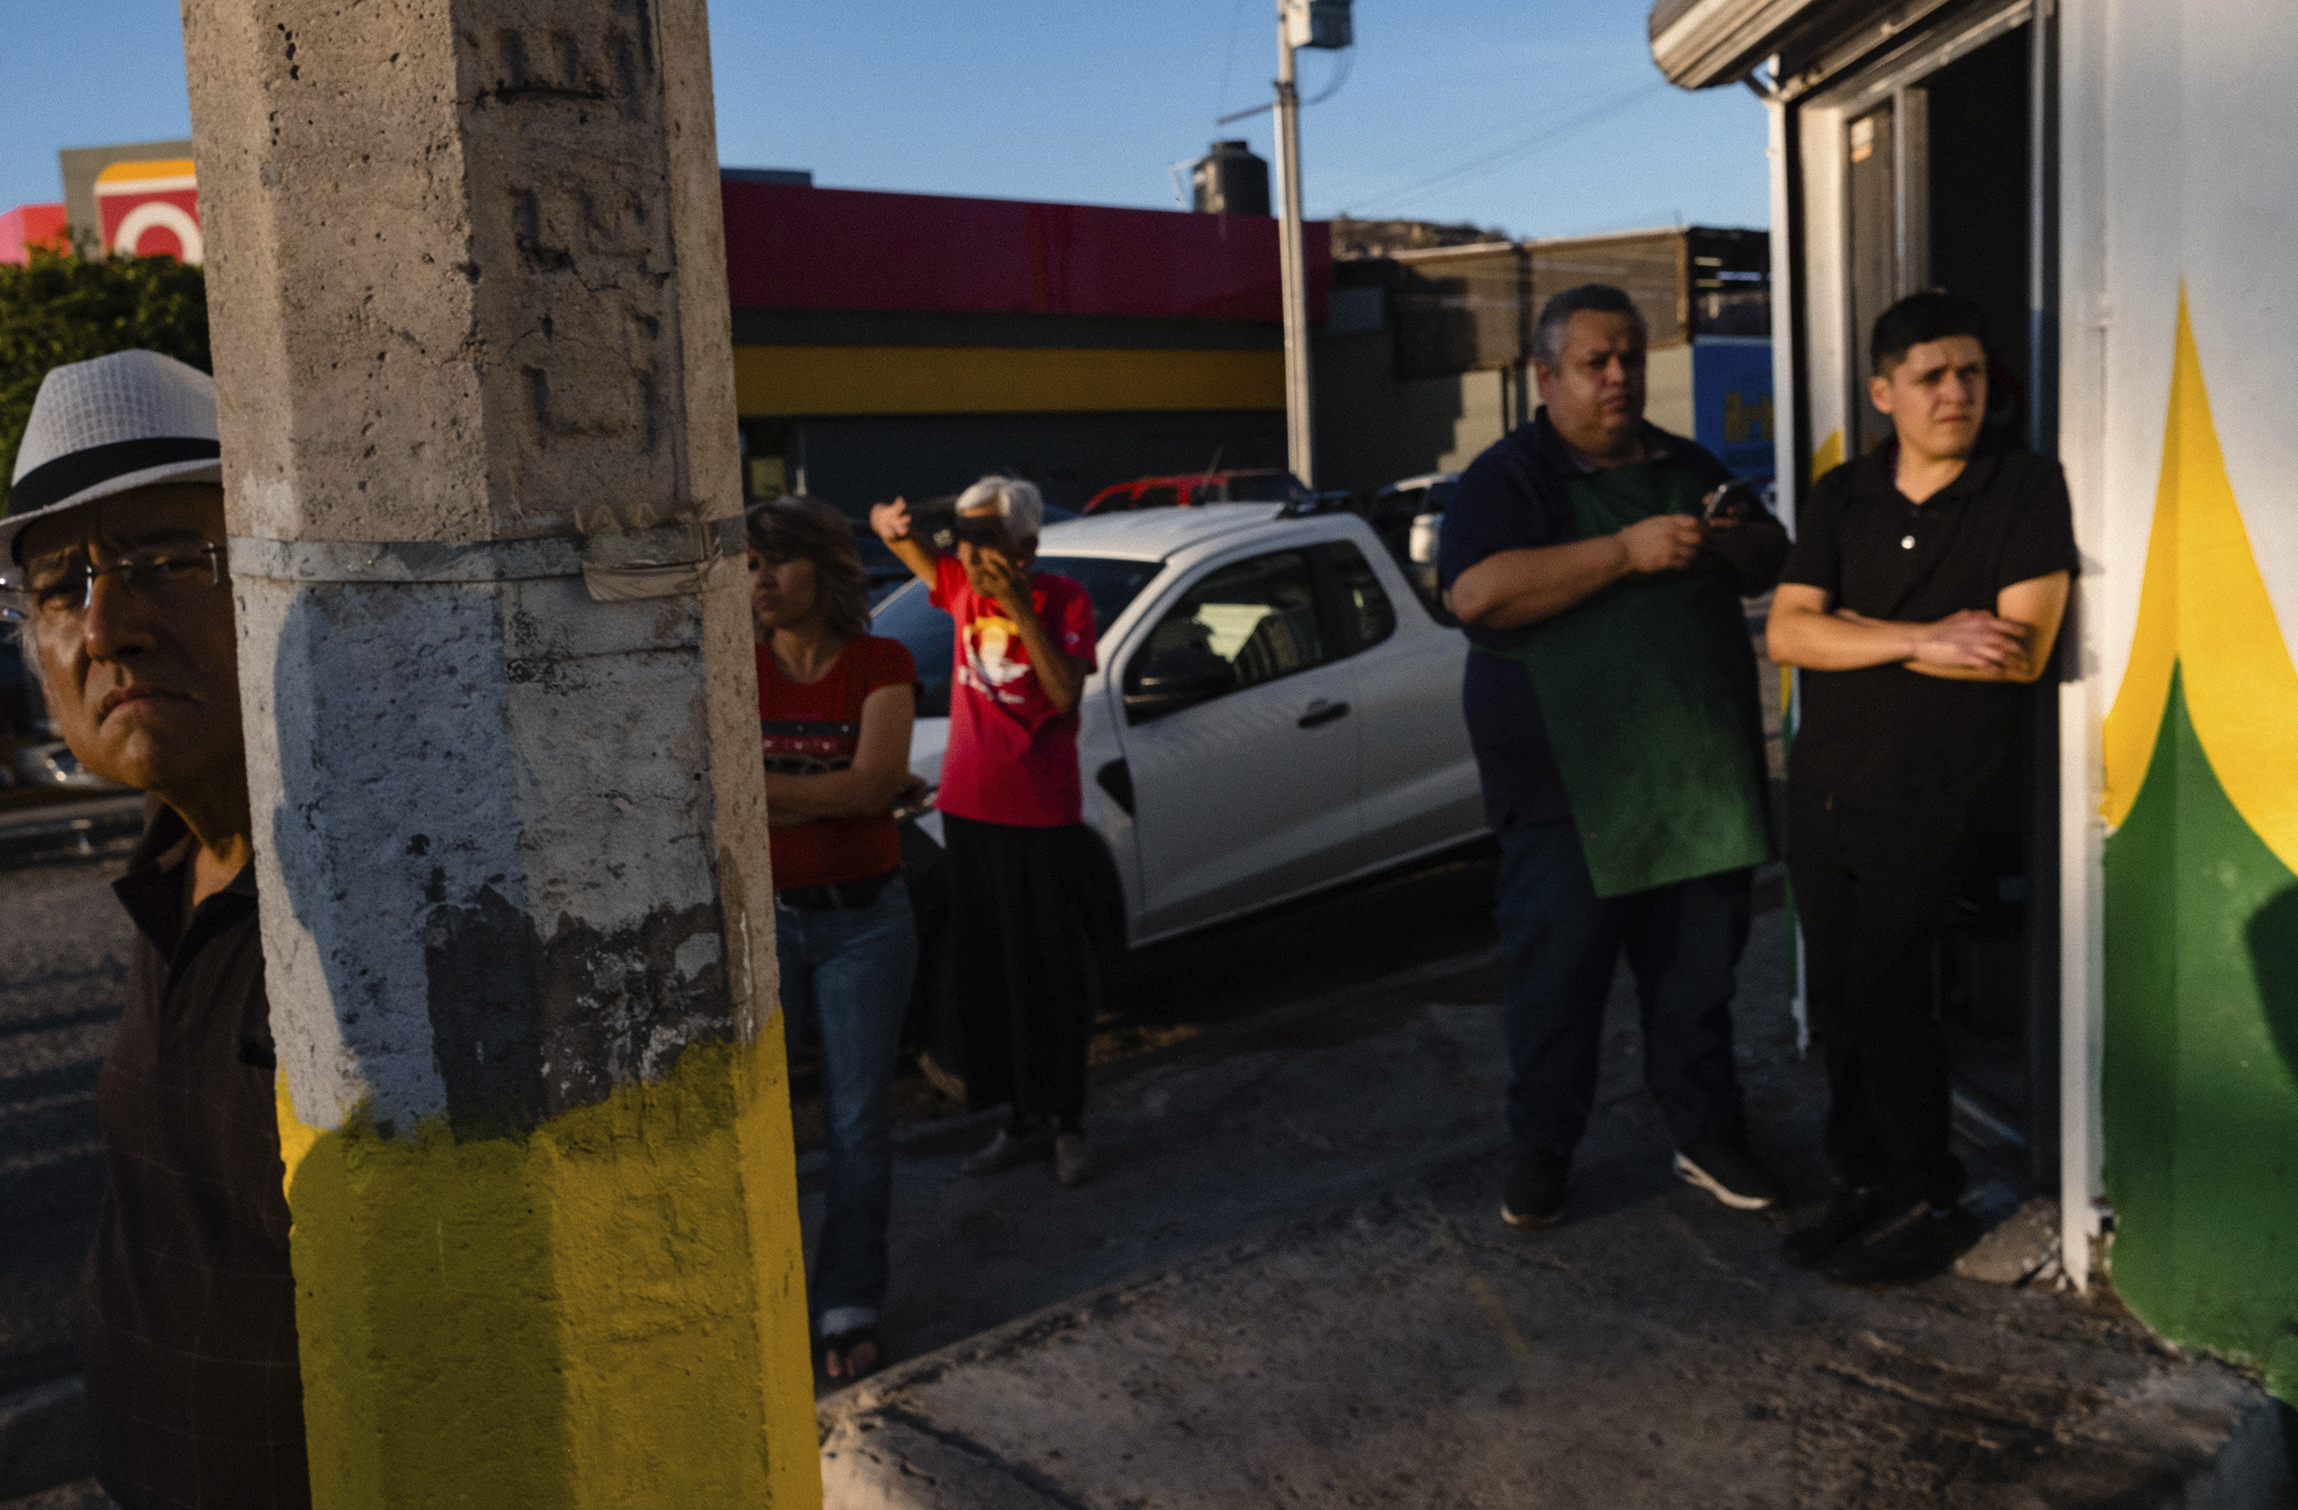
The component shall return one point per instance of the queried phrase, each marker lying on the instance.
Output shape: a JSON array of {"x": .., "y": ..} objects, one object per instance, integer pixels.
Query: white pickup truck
[{"x": 1276, "y": 711}]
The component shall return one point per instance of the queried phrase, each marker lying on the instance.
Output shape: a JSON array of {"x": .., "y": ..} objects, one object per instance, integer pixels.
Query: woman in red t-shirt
[{"x": 835, "y": 705}]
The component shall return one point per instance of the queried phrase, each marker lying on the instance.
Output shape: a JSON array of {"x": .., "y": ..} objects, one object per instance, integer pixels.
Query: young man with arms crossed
[{"x": 1926, "y": 584}]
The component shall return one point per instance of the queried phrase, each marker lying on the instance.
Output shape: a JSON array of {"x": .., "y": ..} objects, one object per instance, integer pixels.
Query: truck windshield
[{"x": 909, "y": 615}]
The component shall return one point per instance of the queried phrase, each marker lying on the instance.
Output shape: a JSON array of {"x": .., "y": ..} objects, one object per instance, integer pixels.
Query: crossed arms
[
  {"x": 2012, "y": 644},
  {"x": 878, "y": 779}
]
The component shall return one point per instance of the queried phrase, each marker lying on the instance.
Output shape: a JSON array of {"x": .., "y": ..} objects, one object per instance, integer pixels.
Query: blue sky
[{"x": 1539, "y": 116}]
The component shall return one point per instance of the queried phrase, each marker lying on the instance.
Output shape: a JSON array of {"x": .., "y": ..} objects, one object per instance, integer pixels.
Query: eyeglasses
[{"x": 162, "y": 575}]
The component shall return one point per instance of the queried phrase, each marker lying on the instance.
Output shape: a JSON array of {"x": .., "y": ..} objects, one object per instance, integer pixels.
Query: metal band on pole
[{"x": 618, "y": 565}]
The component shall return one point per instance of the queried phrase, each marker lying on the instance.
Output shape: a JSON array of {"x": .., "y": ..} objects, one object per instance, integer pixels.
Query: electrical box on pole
[{"x": 1317, "y": 23}]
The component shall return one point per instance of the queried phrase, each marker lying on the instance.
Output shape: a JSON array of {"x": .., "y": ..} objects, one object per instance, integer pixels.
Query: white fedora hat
[{"x": 120, "y": 422}]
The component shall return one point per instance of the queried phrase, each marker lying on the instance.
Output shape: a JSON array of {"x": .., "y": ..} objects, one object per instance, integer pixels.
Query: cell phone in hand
[{"x": 1732, "y": 503}]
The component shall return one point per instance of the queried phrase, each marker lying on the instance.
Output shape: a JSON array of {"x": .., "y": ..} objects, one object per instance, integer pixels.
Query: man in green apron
[{"x": 1611, "y": 700}]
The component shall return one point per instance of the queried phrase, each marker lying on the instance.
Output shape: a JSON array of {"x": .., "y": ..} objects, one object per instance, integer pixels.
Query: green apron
[{"x": 1648, "y": 691}]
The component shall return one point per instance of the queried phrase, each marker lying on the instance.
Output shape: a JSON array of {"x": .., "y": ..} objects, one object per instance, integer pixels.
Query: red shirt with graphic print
[
  {"x": 809, "y": 728},
  {"x": 1011, "y": 758}
]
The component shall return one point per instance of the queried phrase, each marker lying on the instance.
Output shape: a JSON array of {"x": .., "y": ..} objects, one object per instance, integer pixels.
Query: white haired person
[
  {"x": 1012, "y": 809},
  {"x": 112, "y": 564},
  {"x": 835, "y": 705}
]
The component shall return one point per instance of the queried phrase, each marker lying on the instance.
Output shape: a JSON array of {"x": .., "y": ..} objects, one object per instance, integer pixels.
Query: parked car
[
  {"x": 40, "y": 772},
  {"x": 1275, "y": 712},
  {"x": 1195, "y": 490},
  {"x": 1407, "y": 515}
]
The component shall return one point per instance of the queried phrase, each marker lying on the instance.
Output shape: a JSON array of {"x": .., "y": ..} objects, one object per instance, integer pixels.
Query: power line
[
  {"x": 1476, "y": 143},
  {"x": 1340, "y": 77},
  {"x": 1229, "y": 59},
  {"x": 1519, "y": 148}
]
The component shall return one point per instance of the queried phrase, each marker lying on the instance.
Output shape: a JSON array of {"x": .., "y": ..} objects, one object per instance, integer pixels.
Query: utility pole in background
[{"x": 1300, "y": 23}]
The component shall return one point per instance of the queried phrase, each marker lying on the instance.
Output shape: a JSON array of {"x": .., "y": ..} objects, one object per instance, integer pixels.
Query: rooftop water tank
[{"x": 1230, "y": 180}]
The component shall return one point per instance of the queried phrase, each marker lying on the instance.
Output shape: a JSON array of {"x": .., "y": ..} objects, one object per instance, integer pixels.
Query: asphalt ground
[{"x": 63, "y": 966}]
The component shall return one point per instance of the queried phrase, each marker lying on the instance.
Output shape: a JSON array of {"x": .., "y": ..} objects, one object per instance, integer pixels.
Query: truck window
[{"x": 1357, "y": 608}]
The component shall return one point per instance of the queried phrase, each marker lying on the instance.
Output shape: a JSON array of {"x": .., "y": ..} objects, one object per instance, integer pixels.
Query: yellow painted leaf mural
[{"x": 2202, "y": 604}]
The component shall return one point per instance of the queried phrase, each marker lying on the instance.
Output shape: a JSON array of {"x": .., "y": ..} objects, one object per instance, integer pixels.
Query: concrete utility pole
[
  {"x": 1300, "y": 419},
  {"x": 1300, "y": 23},
  {"x": 468, "y": 287}
]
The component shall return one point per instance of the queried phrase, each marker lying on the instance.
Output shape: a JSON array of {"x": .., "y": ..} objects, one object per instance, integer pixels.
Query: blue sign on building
[{"x": 1731, "y": 402}]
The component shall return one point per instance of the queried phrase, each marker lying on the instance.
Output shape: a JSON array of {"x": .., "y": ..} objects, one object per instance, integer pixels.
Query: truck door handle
[{"x": 1321, "y": 712}]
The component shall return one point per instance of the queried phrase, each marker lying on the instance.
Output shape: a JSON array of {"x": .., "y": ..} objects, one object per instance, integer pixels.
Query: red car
[{"x": 1253, "y": 485}]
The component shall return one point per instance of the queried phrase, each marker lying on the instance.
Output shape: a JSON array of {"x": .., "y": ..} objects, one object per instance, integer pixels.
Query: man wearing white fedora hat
[{"x": 112, "y": 564}]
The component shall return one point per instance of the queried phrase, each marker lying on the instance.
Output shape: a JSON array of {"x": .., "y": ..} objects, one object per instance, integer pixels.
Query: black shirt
[
  {"x": 187, "y": 1312},
  {"x": 1513, "y": 497},
  {"x": 1885, "y": 738}
]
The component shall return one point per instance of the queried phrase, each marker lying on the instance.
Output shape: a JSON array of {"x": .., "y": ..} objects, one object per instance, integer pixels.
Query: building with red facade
[{"x": 908, "y": 343}]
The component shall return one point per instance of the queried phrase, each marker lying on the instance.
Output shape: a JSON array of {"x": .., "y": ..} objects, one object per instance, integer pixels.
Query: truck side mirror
[{"x": 1176, "y": 679}]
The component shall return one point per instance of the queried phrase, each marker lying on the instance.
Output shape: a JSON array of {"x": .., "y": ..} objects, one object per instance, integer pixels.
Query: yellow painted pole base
[{"x": 605, "y": 1314}]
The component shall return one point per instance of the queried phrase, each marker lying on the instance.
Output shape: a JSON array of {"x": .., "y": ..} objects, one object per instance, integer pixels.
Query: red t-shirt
[
  {"x": 1011, "y": 758},
  {"x": 807, "y": 728}
]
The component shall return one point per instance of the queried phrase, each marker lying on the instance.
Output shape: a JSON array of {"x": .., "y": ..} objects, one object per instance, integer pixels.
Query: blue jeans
[
  {"x": 848, "y": 972},
  {"x": 1559, "y": 943}
]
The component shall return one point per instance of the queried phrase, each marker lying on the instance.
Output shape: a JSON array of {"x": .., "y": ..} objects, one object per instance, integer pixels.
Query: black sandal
[{"x": 840, "y": 1347}]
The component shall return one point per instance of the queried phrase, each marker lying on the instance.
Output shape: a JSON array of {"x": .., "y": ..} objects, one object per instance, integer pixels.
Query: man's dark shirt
[
  {"x": 1884, "y": 738},
  {"x": 1512, "y": 497},
  {"x": 187, "y": 1313}
]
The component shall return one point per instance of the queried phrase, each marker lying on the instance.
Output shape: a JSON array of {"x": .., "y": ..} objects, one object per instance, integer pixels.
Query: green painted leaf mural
[{"x": 2201, "y": 1067}]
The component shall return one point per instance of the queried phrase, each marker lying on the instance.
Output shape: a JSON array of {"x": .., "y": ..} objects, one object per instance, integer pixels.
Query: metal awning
[{"x": 1698, "y": 43}]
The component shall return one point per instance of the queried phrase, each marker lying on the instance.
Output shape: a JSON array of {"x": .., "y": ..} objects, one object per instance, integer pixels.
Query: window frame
[
  {"x": 1321, "y": 602},
  {"x": 1335, "y": 615}
]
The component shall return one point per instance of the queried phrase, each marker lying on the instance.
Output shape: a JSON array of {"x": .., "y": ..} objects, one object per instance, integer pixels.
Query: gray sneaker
[{"x": 1007, "y": 1149}]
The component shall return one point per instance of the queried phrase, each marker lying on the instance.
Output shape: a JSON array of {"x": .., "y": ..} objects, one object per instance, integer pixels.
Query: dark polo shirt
[
  {"x": 1884, "y": 738},
  {"x": 187, "y": 1311},
  {"x": 1513, "y": 497}
]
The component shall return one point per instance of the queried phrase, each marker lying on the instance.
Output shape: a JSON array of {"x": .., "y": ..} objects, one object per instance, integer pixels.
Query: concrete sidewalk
[
  {"x": 1291, "y": 1286},
  {"x": 1411, "y": 1353}
]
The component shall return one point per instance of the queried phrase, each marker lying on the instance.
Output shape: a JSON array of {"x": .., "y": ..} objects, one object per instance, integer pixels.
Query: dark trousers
[
  {"x": 1022, "y": 964},
  {"x": 1560, "y": 943},
  {"x": 1873, "y": 891}
]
